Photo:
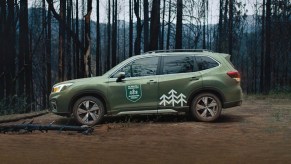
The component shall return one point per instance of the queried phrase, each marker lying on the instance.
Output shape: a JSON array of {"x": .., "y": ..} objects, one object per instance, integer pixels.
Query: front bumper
[{"x": 59, "y": 104}]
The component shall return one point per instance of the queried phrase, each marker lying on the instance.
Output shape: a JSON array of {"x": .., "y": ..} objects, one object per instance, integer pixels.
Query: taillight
[{"x": 234, "y": 74}]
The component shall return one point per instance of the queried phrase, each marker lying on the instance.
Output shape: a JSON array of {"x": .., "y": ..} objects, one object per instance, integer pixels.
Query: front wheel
[
  {"x": 206, "y": 107},
  {"x": 88, "y": 110}
]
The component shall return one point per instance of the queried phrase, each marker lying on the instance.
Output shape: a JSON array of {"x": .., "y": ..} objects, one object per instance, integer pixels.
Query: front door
[{"x": 138, "y": 92}]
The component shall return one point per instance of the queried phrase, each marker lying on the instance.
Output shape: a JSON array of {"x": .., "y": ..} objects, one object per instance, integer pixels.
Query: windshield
[{"x": 112, "y": 70}]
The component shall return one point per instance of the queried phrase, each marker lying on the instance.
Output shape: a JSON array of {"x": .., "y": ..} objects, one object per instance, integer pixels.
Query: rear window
[{"x": 205, "y": 62}]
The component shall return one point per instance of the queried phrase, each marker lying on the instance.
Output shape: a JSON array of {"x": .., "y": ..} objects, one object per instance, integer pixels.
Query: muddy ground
[{"x": 257, "y": 132}]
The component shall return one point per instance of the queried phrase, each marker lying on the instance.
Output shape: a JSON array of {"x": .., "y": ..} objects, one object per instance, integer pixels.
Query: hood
[{"x": 80, "y": 80}]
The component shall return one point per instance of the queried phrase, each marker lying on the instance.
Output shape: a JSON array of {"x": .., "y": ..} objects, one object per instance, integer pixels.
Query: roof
[{"x": 178, "y": 50}]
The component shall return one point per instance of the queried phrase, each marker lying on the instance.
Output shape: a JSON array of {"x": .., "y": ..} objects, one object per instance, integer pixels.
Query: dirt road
[{"x": 257, "y": 132}]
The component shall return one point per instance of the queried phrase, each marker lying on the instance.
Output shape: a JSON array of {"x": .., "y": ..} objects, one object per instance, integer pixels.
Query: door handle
[
  {"x": 151, "y": 82},
  {"x": 194, "y": 78}
]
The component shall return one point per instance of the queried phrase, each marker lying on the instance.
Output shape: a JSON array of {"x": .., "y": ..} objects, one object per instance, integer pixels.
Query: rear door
[{"x": 179, "y": 78}]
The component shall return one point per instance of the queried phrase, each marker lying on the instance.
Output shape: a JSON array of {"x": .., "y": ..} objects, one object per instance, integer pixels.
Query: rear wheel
[
  {"x": 88, "y": 110},
  {"x": 206, "y": 107}
]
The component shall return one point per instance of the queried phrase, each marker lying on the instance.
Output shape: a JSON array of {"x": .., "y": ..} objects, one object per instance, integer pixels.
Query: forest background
[{"x": 43, "y": 42}]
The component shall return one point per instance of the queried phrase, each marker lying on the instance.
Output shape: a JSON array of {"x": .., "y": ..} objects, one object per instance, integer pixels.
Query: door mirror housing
[{"x": 120, "y": 76}]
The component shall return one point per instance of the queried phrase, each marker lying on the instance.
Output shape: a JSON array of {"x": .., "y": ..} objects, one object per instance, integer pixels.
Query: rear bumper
[{"x": 232, "y": 104}]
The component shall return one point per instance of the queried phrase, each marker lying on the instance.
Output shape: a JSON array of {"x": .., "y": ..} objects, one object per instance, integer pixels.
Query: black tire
[
  {"x": 88, "y": 110},
  {"x": 206, "y": 107}
]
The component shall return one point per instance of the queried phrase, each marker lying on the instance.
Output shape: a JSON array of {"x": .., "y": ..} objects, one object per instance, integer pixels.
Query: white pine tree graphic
[
  {"x": 181, "y": 99},
  {"x": 164, "y": 100},
  {"x": 173, "y": 99}
]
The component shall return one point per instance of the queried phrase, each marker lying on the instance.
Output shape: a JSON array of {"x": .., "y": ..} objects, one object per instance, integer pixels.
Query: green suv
[{"x": 197, "y": 82}]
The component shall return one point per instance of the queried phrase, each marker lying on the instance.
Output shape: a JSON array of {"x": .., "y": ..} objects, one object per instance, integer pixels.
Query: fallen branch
[{"x": 44, "y": 128}]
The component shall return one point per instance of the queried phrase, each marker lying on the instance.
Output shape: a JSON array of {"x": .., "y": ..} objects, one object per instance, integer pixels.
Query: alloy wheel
[{"x": 88, "y": 111}]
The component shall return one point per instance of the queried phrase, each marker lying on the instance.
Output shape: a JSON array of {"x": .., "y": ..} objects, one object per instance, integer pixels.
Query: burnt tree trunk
[
  {"x": 138, "y": 28},
  {"x": 230, "y": 32},
  {"x": 87, "y": 50},
  {"x": 161, "y": 47},
  {"x": 44, "y": 55},
  {"x": 179, "y": 24},
  {"x": 267, "y": 80},
  {"x": 262, "y": 50},
  {"x": 10, "y": 50},
  {"x": 61, "y": 41},
  {"x": 204, "y": 25},
  {"x": 130, "y": 28},
  {"x": 77, "y": 58},
  {"x": 2, "y": 48},
  {"x": 146, "y": 25},
  {"x": 48, "y": 53},
  {"x": 114, "y": 33},
  {"x": 68, "y": 38},
  {"x": 220, "y": 28},
  {"x": 155, "y": 25},
  {"x": 98, "y": 54},
  {"x": 225, "y": 30},
  {"x": 169, "y": 26},
  {"x": 23, "y": 49}
]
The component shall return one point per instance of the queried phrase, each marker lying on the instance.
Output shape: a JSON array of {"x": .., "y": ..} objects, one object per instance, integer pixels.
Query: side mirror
[{"x": 120, "y": 76}]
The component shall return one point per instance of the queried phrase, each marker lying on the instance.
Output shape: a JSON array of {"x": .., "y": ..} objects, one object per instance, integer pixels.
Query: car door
[
  {"x": 137, "y": 92},
  {"x": 179, "y": 78}
]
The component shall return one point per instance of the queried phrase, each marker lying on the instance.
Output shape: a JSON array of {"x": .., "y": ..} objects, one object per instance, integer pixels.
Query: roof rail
[{"x": 178, "y": 50}]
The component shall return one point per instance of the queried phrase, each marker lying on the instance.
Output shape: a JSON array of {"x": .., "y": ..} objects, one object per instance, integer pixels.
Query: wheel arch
[
  {"x": 96, "y": 94},
  {"x": 214, "y": 91}
]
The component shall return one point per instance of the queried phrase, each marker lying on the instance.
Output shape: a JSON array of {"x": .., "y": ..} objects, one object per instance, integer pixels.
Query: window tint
[
  {"x": 177, "y": 64},
  {"x": 204, "y": 62},
  {"x": 145, "y": 67}
]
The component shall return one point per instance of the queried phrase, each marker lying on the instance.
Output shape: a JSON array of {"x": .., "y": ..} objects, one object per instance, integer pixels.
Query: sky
[{"x": 124, "y": 7}]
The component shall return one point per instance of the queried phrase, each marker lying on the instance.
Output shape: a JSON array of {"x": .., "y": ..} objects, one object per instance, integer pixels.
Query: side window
[
  {"x": 145, "y": 67},
  {"x": 127, "y": 70},
  {"x": 205, "y": 62},
  {"x": 177, "y": 64}
]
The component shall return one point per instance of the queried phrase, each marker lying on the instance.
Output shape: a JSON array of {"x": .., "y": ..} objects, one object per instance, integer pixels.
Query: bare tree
[
  {"x": 220, "y": 27},
  {"x": 155, "y": 25},
  {"x": 108, "y": 36},
  {"x": 2, "y": 48},
  {"x": 169, "y": 26},
  {"x": 179, "y": 24},
  {"x": 10, "y": 49},
  {"x": 48, "y": 53},
  {"x": 161, "y": 46},
  {"x": 230, "y": 31},
  {"x": 98, "y": 39},
  {"x": 204, "y": 24},
  {"x": 87, "y": 50},
  {"x": 138, "y": 28},
  {"x": 146, "y": 25},
  {"x": 68, "y": 40},
  {"x": 24, "y": 54},
  {"x": 262, "y": 49},
  {"x": 61, "y": 75},
  {"x": 130, "y": 28},
  {"x": 268, "y": 69},
  {"x": 44, "y": 55},
  {"x": 114, "y": 32}
]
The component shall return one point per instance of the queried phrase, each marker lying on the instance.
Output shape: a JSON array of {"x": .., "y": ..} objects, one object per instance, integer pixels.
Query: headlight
[{"x": 61, "y": 87}]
